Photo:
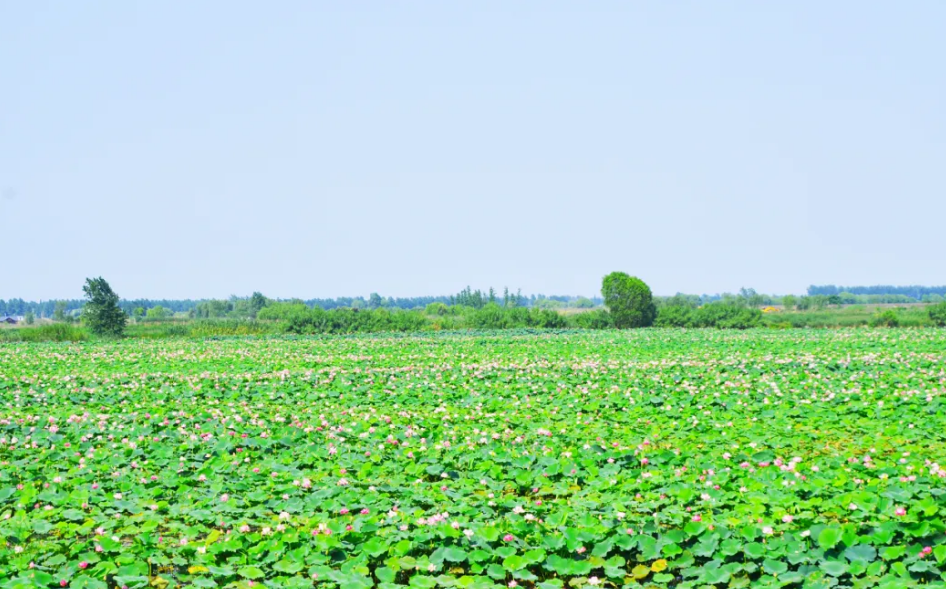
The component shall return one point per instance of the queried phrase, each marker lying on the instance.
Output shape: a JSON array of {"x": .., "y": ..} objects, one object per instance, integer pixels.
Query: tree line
[
  {"x": 243, "y": 307},
  {"x": 915, "y": 292},
  {"x": 628, "y": 300}
]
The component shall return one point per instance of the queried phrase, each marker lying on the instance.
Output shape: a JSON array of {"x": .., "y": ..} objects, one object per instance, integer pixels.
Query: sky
[{"x": 319, "y": 149}]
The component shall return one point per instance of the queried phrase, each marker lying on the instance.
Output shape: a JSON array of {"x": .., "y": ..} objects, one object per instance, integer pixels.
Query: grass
[{"x": 52, "y": 332}]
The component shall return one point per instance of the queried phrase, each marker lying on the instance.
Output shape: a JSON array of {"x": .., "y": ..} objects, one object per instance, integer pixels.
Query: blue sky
[{"x": 300, "y": 148}]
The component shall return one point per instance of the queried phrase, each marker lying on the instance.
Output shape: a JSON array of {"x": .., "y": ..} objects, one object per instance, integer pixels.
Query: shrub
[
  {"x": 546, "y": 319},
  {"x": 599, "y": 319},
  {"x": 491, "y": 316},
  {"x": 629, "y": 300},
  {"x": 726, "y": 316},
  {"x": 282, "y": 311},
  {"x": 938, "y": 314},
  {"x": 674, "y": 316},
  {"x": 888, "y": 318},
  {"x": 158, "y": 313}
]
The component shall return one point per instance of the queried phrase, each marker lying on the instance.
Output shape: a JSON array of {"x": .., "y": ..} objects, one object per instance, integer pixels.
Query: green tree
[
  {"x": 157, "y": 313},
  {"x": 59, "y": 314},
  {"x": 257, "y": 303},
  {"x": 30, "y": 318},
  {"x": 138, "y": 313},
  {"x": 938, "y": 314},
  {"x": 788, "y": 301},
  {"x": 629, "y": 300},
  {"x": 818, "y": 301},
  {"x": 102, "y": 313},
  {"x": 374, "y": 300},
  {"x": 848, "y": 298},
  {"x": 583, "y": 303}
]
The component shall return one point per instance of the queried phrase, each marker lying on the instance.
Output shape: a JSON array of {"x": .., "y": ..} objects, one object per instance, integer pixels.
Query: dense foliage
[
  {"x": 938, "y": 314},
  {"x": 720, "y": 315},
  {"x": 629, "y": 300},
  {"x": 101, "y": 312},
  {"x": 659, "y": 458}
]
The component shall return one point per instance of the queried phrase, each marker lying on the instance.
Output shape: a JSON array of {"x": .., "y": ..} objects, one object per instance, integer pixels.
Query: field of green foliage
[{"x": 648, "y": 458}]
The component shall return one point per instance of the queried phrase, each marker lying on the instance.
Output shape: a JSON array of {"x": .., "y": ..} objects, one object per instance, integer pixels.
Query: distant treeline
[
  {"x": 242, "y": 307},
  {"x": 914, "y": 292},
  {"x": 246, "y": 306}
]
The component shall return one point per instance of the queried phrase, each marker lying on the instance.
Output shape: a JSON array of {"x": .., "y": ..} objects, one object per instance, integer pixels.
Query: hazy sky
[{"x": 301, "y": 148}]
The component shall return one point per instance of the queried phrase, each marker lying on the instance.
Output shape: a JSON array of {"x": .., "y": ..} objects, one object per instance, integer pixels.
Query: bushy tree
[
  {"x": 629, "y": 300},
  {"x": 886, "y": 318},
  {"x": 102, "y": 313},
  {"x": 30, "y": 318},
  {"x": 545, "y": 303},
  {"x": 374, "y": 301},
  {"x": 157, "y": 313},
  {"x": 583, "y": 303},
  {"x": 788, "y": 301},
  {"x": 938, "y": 314},
  {"x": 257, "y": 303}
]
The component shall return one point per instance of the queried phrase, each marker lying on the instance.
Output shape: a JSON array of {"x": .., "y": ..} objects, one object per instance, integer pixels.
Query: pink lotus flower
[
  {"x": 787, "y": 519},
  {"x": 83, "y": 565},
  {"x": 697, "y": 518},
  {"x": 508, "y": 538},
  {"x": 900, "y": 511}
]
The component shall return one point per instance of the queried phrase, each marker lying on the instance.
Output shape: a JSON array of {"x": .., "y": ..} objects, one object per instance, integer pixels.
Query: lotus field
[{"x": 614, "y": 459}]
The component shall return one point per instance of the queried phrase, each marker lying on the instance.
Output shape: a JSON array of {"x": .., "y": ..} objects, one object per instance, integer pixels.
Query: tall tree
[
  {"x": 102, "y": 313},
  {"x": 60, "y": 313},
  {"x": 374, "y": 300},
  {"x": 629, "y": 300}
]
